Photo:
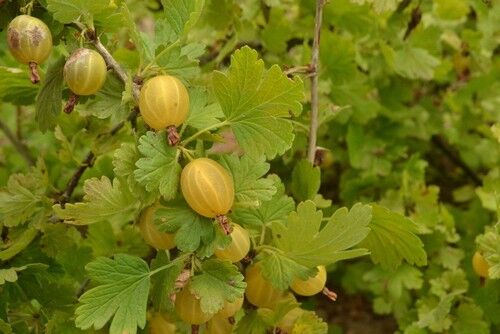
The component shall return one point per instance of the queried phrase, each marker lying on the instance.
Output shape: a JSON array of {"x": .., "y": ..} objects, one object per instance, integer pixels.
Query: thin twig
[
  {"x": 112, "y": 63},
  {"x": 19, "y": 145},
  {"x": 73, "y": 182},
  {"x": 416, "y": 17},
  {"x": 455, "y": 158},
  {"x": 313, "y": 129},
  {"x": 122, "y": 75},
  {"x": 90, "y": 159}
]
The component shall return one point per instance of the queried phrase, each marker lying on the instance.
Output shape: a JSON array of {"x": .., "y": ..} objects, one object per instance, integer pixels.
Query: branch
[
  {"x": 90, "y": 159},
  {"x": 416, "y": 17},
  {"x": 73, "y": 182},
  {"x": 112, "y": 63},
  {"x": 19, "y": 145},
  {"x": 122, "y": 75},
  {"x": 313, "y": 129},
  {"x": 455, "y": 158}
]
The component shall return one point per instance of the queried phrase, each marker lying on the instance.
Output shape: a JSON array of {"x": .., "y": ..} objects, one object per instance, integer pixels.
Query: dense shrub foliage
[{"x": 180, "y": 191}]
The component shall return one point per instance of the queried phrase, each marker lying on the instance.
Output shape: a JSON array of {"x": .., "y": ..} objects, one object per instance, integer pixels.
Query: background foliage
[{"x": 409, "y": 110}]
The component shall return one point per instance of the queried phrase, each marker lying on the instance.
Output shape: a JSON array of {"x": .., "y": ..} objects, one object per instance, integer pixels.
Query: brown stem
[
  {"x": 34, "y": 75},
  {"x": 112, "y": 63},
  {"x": 195, "y": 329},
  {"x": 224, "y": 224},
  {"x": 173, "y": 136},
  {"x": 73, "y": 182},
  {"x": 19, "y": 145},
  {"x": 122, "y": 75},
  {"x": 231, "y": 320},
  {"x": 330, "y": 294},
  {"x": 416, "y": 16},
  {"x": 313, "y": 129},
  {"x": 72, "y": 102},
  {"x": 455, "y": 158}
]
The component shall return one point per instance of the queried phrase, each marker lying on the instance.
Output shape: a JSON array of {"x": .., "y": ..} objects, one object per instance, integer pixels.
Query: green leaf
[
  {"x": 281, "y": 270},
  {"x": 103, "y": 201},
  {"x": 67, "y": 11},
  {"x": 469, "y": 319},
  {"x": 306, "y": 180},
  {"x": 143, "y": 43},
  {"x": 106, "y": 241},
  {"x": 309, "y": 323},
  {"x": 251, "y": 323},
  {"x": 108, "y": 100},
  {"x": 15, "y": 86},
  {"x": 415, "y": 63},
  {"x": 451, "y": 281},
  {"x": 392, "y": 239},
  {"x": 124, "y": 160},
  {"x": 435, "y": 313},
  {"x": 380, "y": 6},
  {"x": 303, "y": 240},
  {"x": 158, "y": 168},
  {"x": 277, "y": 31},
  {"x": 201, "y": 113},
  {"x": 255, "y": 102},
  {"x": 49, "y": 100},
  {"x": 219, "y": 281},
  {"x": 182, "y": 14},
  {"x": 395, "y": 282},
  {"x": 489, "y": 245},
  {"x": 19, "y": 244},
  {"x": 180, "y": 61},
  {"x": 274, "y": 210},
  {"x": 249, "y": 186},
  {"x": 121, "y": 293},
  {"x": 452, "y": 9},
  {"x": 192, "y": 231},
  {"x": 163, "y": 283},
  {"x": 22, "y": 197},
  {"x": 10, "y": 274},
  {"x": 5, "y": 327}
]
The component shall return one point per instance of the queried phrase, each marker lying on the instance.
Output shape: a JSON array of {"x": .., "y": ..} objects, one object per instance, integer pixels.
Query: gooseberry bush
[{"x": 214, "y": 166}]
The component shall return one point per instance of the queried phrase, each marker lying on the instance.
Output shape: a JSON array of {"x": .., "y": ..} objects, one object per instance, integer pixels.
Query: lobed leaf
[
  {"x": 392, "y": 239},
  {"x": 122, "y": 293},
  {"x": 255, "y": 102},
  {"x": 220, "y": 281},
  {"x": 158, "y": 169},
  {"x": 103, "y": 201}
]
